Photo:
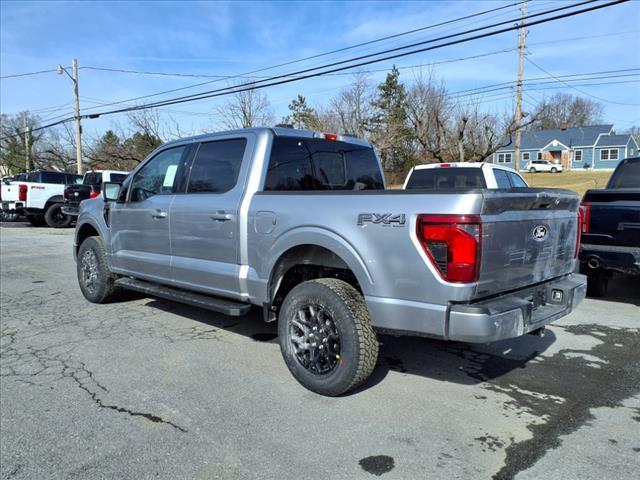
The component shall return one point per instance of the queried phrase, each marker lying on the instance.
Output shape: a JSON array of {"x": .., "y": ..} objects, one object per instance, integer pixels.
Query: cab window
[{"x": 157, "y": 176}]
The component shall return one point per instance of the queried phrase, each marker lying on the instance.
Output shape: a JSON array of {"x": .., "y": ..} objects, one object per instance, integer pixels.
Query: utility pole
[
  {"x": 521, "y": 45},
  {"x": 27, "y": 149},
  {"x": 76, "y": 94},
  {"x": 76, "y": 109}
]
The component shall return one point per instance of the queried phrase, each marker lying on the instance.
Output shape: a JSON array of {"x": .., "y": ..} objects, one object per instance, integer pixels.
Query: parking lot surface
[{"x": 145, "y": 388}]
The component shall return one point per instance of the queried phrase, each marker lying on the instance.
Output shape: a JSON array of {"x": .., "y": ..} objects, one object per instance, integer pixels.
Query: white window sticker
[{"x": 170, "y": 176}]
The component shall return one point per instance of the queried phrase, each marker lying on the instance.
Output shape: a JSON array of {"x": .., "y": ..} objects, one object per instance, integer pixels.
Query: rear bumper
[
  {"x": 12, "y": 206},
  {"x": 624, "y": 259},
  {"x": 71, "y": 210},
  {"x": 510, "y": 315},
  {"x": 515, "y": 314}
]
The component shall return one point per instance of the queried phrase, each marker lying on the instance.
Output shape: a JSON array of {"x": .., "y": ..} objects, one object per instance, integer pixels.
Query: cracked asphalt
[{"x": 144, "y": 388}]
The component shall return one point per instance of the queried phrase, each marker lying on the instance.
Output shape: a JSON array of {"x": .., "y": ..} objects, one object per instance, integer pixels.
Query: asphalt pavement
[{"x": 145, "y": 388}]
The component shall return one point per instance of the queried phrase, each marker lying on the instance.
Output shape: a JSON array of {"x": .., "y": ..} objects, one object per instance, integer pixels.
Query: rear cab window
[
  {"x": 443, "y": 178},
  {"x": 627, "y": 175},
  {"x": 304, "y": 164}
]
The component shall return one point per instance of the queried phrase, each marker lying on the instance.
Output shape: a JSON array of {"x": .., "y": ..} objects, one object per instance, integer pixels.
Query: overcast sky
[{"x": 207, "y": 38}]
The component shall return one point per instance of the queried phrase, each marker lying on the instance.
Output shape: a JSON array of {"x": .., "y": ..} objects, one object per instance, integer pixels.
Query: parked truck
[
  {"x": 611, "y": 228},
  {"x": 39, "y": 197},
  {"x": 300, "y": 225},
  {"x": 89, "y": 188}
]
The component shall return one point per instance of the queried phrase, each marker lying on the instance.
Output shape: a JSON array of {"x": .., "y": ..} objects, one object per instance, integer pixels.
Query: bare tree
[
  {"x": 15, "y": 144},
  {"x": 429, "y": 113},
  {"x": 352, "y": 106},
  {"x": 563, "y": 110},
  {"x": 246, "y": 109}
]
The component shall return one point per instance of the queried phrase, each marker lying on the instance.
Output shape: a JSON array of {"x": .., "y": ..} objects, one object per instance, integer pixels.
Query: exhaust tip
[{"x": 593, "y": 263}]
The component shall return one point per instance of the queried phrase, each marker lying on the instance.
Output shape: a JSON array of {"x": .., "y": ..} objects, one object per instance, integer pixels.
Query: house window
[
  {"x": 577, "y": 156},
  {"x": 526, "y": 156},
  {"x": 609, "y": 154},
  {"x": 539, "y": 155},
  {"x": 504, "y": 158}
]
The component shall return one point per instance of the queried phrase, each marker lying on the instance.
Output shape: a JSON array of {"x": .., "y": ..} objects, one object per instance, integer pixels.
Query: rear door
[
  {"x": 528, "y": 236},
  {"x": 205, "y": 218},
  {"x": 140, "y": 239}
]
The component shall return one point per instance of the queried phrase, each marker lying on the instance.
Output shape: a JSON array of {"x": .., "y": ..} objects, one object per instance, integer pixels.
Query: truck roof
[{"x": 278, "y": 131}]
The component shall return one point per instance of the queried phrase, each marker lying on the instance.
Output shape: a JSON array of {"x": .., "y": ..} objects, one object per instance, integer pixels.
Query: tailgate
[
  {"x": 528, "y": 236},
  {"x": 614, "y": 217},
  {"x": 9, "y": 192},
  {"x": 75, "y": 193}
]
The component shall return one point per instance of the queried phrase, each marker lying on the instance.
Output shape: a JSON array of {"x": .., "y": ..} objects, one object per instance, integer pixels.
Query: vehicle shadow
[
  {"x": 466, "y": 364},
  {"x": 251, "y": 325},
  {"x": 461, "y": 363},
  {"x": 623, "y": 289}
]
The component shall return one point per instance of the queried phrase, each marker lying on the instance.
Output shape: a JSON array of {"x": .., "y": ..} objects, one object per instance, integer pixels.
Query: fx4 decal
[{"x": 386, "y": 219}]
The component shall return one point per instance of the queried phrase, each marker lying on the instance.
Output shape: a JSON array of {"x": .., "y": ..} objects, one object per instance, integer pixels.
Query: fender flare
[{"x": 320, "y": 237}]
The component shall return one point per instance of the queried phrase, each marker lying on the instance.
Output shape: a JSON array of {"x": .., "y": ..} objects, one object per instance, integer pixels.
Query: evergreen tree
[
  {"x": 389, "y": 124},
  {"x": 302, "y": 115}
]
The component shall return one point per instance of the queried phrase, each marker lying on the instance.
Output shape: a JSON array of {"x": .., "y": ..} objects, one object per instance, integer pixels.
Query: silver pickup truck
[{"x": 300, "y": 224}]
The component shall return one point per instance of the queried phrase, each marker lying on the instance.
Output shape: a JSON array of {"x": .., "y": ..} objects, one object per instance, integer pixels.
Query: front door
[
  {"x": 205, "y": 219},
  {"x": 140, "y": 235}
]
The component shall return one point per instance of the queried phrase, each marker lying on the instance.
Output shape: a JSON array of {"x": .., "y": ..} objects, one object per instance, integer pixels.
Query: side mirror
[{"x": 111, "y": 191}]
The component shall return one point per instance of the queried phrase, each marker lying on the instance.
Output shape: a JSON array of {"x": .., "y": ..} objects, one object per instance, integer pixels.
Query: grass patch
[{"x": 578, "y": 181}]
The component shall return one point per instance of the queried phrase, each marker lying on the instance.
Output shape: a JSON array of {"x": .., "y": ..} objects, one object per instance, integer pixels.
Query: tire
[
  {"x": 344, "y": 323},
  {"x": 554, "y": 170},
  {"x": 36, "y": 220},
  {"x": 55, "y": 218},
  {"x": 532, "y": 170},
  {"x": 597, "y": 283},
  {"x": 94, "y": 277}
]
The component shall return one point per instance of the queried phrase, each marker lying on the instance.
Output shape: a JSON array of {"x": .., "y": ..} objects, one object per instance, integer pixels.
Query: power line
[
  {"x": 581, "y": 91},
  {"x": 16, "y": 75},
  {"x": 281, "y": 80},
  {"x": 304, "y": 74},
  {"x": 538, "y": 81},
  {"x": 374, "y": 54}
]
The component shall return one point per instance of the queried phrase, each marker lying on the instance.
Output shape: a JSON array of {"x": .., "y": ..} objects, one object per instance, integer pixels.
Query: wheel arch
[
  {"x": 52, "y": 200},
  {"x": 83, "y": 232},
  {"x": 311, "y": 254}
]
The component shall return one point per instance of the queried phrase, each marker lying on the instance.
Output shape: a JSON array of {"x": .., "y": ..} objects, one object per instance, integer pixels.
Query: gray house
[{"x": 596, "y": 146}]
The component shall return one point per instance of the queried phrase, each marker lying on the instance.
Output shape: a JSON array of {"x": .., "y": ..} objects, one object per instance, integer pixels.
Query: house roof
[
  {"x": 613, "y": 140},
  {"x": 576, "y": 136}
]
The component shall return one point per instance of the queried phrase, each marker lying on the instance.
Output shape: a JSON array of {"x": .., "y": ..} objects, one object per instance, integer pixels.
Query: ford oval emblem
[{"x": 540, "y": 233}]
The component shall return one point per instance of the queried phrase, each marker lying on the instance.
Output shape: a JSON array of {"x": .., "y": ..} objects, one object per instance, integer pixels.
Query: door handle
[
  {"x": 159, "y": 214},
  {"x": 221, "y": 216}
]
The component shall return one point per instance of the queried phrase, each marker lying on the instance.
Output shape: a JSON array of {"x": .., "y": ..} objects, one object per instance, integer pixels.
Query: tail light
[
  {"x": 578, "y": 235},
  {"x": 94, "y": 193},
  {"x": 585, "y": 212},
  {"x": 66, "y": 194},
  {"x": 452, "y": 244},
  {"x": 330, "y": 136},
  {"x": 22, "y": 192}
]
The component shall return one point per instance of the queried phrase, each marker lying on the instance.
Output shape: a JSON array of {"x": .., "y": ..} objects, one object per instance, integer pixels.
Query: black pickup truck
[
  {"x": 610, "y": 239},
  {"x": 89, "y": 188}
]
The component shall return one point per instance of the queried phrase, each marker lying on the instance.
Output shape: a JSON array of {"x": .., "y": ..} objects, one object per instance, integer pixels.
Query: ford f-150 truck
[
  {"x": 39, "y": 197},
  {"x": 300, "y": 224},
  {"x": 611, "y": 228}
]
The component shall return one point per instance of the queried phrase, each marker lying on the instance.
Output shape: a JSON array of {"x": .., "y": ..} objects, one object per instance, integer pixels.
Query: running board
[{"x": 222, "y": 305}]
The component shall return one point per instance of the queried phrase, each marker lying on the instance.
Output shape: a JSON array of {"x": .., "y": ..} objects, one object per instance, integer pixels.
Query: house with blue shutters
[{"x": 594, "y": 147}]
